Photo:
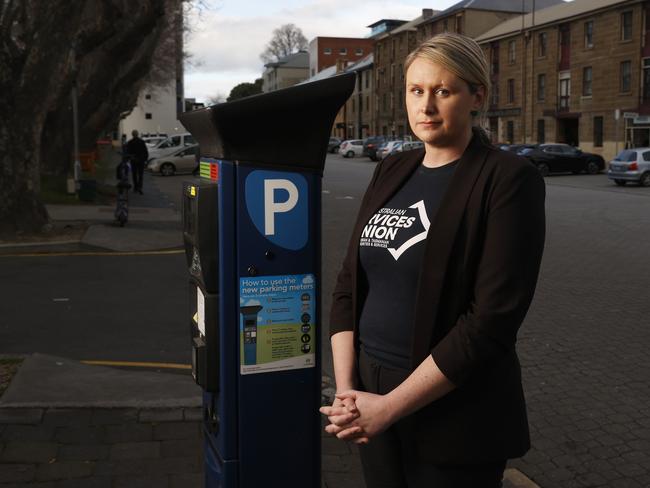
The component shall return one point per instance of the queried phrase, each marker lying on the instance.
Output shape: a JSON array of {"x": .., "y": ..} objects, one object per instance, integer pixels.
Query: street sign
[{"x": 630, "y": 115}]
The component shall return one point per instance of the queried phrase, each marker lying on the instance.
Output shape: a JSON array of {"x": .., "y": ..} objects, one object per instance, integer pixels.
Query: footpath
[{"x": 64, "y": 424}]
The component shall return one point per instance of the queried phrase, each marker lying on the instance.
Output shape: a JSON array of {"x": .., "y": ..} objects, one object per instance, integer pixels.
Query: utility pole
[{"x": 75, "y": 117}]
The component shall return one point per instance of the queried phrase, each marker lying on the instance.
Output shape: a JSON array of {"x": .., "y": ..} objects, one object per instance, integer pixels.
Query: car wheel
[
  {"x": 543, "y": 169},
  {"x": 167, "y": 169},
  {"x": 645, "y": 179},
  {"x": 349, "y": 154},
  {"x": 592, "y": 168},
  {"x": 620, "y": 182}
]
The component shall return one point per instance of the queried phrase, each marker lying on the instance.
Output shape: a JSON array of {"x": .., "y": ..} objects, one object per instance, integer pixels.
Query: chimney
[
  {"x": 341, "y": 64},
  {"x": 427, "y": 13}
]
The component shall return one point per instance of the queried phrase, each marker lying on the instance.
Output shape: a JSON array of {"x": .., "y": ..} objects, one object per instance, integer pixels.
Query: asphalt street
[{"x": 583, "y": 346}]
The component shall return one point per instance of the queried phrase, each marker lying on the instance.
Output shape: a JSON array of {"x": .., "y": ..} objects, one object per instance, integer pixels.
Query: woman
[{"x": 439, "y": 274}]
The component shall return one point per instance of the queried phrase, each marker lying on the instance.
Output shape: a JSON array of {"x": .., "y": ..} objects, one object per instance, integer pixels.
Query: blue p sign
[{"x": 277, "y": 204}]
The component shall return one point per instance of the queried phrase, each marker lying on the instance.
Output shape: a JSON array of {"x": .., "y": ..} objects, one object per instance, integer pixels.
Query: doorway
[{"x": 568, "y": 131}]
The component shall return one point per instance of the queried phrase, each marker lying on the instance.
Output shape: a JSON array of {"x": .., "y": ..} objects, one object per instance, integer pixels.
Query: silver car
[
  {"x": 184, "y": 160},
  {"x": 631, "y": 165}
]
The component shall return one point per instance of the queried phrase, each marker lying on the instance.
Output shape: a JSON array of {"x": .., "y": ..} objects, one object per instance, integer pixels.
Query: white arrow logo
[{"x": 396, "y": 253}]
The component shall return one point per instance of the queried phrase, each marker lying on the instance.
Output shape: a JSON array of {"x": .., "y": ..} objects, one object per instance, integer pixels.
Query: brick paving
[{"x": 88, "y": 448}]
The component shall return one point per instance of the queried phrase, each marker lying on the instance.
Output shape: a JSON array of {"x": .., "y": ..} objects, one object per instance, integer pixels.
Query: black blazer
[{"x": 479, "y": 271}]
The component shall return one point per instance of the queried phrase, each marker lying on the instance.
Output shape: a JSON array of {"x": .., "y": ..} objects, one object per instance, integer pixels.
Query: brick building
[
  {"x": 468, "y": 17},
  {"x": 359, "y": 109},
  {"x": 566, "y": 75},
  {"x": 324, "y": 51},
  {"x": 391, "y": 48}
]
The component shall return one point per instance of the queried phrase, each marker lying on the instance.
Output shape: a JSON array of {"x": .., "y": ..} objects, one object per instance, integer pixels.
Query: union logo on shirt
[{"x": 397, "y": 230}]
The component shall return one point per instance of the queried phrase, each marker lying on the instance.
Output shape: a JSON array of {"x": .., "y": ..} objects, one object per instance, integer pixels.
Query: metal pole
[{"x": 75, "y": 119}]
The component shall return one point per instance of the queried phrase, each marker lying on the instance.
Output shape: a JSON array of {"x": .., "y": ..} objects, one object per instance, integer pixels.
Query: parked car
[
  {"x": 182, "y": 160},
  {"x": 387, "y": 149},
  {"x": 171, "y": 145},
  {"x": 334, "y": 144},
  {"x": 351, "y": 148},
  {"x": 153, "y": 141},
  {"x": 411, "y": 145},
  {"x": 370, "y": 145},
  {"x": 631, "y": 165},
  {"x": 515, "y": 148},
  {"x": 563, "y": 158}
]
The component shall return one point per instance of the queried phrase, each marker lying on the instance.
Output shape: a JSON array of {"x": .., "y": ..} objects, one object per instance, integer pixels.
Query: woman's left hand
[{"x": 375, "y": 416}]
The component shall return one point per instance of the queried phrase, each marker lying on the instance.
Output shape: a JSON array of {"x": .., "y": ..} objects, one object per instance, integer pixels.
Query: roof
[
  {"x": 321, "y": 75},
  {"x": 511, "y": 6},
  {"x": 295, "y": 60},
  {"x": 363, "y": 63},
  {"x": 545, "y": 16},
  {"x": 408, "y": 26},
  {"x": 386, "y": 21}
]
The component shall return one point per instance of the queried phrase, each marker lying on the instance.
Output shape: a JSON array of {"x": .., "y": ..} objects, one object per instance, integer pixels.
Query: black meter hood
[{"x": 287, "y": 127}]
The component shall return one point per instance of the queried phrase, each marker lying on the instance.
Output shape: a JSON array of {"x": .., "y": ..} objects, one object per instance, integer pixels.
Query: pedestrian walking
[
  {"x": 137, "y": 150},
  {"x": 439, "y": 274}
]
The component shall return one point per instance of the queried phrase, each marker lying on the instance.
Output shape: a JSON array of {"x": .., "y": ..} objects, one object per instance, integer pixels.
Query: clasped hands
[{"x": 358, "y": 416}]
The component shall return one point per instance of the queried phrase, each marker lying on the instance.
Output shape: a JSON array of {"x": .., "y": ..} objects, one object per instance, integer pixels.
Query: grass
[
  {"x": 8, "y": 368},
  {"x": 54, "y": 187}
]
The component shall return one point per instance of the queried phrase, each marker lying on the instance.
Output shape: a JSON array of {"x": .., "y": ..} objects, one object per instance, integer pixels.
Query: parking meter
[{"x": 252, "y": 231}]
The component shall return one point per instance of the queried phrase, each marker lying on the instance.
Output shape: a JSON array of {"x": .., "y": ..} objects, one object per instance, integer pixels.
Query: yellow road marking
[
  {"x": 137, "y": 364},
  {"x": 93, "y": 253}
]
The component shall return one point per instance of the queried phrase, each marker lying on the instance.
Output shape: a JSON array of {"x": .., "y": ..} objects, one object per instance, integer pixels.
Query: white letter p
[{"x": 272, "y": 207}]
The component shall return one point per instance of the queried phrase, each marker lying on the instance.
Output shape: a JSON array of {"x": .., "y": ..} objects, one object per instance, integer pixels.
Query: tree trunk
[{"x": 114, "y": 42}]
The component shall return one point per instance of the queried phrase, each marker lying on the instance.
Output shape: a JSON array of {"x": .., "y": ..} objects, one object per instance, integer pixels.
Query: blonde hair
[{"x": 458, "y": 54}]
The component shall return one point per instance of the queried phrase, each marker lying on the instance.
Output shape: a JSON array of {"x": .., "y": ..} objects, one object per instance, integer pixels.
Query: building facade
[
  {"x": 360, "y": 109},
  {"x": 324, "y": 51},
  {"x": 286, "y": 72},
  {"x": 578, "y": 73}
]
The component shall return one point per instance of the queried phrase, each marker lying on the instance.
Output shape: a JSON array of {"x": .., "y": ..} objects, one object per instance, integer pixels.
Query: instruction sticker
[{"x": 277, "y": 323}]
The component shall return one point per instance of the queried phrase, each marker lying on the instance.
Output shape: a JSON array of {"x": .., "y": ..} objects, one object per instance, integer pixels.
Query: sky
[{"x": 228, "y": 38}]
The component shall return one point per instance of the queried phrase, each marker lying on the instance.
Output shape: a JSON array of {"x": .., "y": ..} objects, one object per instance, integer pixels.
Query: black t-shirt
[{"x": 391, "y": 250}]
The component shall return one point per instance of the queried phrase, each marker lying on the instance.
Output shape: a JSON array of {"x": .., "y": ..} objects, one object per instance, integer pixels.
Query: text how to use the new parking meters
[{"x": 251, "y": 226}]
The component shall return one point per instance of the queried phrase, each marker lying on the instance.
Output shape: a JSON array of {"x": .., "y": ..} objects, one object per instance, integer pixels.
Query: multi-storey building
[
  {"x": 468, "y": 17},
  {"x": 359, "y": 109},
  {"x": 391, "y": 48},
  {"x": 577, "y": 73},
  {"x": 286, "y": 72},
  {"x": 325, "y": 51}
]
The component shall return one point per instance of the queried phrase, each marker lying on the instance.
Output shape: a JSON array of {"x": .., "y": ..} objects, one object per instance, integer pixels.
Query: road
[{"x": 583, "y": 346}]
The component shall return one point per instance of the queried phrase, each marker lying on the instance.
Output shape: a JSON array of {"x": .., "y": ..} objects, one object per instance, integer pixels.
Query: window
[
  {"x": 494, "y": 67},
  {"x": 541, "y": 87},
  {"x": 495, "y": 95},
  {"x": 511, "y": 90},
  {"x": 541, "y": 131},
  {"x": 343, "y": 51},
  {"x": 586, "y": 81},
  {"x": 565, "y": 92},
  {"x": 626, "y": 26},
  {"x": 385, "y": 102},
  {"x": 358, "y": 51},
  {"x": 542, "y": 40},
  {"x": 353, "y": 105},
  {"x": 367, "y": 76},
  {"x": 510, "y": 131},
  {"x": 646, "y": 79},
  {"x": 327, "y": 50},
  {"x": 598, "y": 131},
  {"x": 400, "y": 102},
  {"x": 445, "y": 25},
  {"x": 626, "y": 76},
  {"x": 459, "y": 24},
  {"x": 367, "y": 104},
  {"x": 512, "y": 46},
  {"x": 589, "y": 34},
  {"x": 147, "y": 116}
]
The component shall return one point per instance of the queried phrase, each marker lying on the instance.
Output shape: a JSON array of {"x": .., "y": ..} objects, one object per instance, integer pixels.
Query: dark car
[
  {"x": 371, "y": 144},
  {"x": 333, "y": 145},
  {"x": 563, "y": 158}
]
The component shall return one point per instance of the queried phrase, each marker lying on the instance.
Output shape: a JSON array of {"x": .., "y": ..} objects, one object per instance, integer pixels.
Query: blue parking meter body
[{"x": 251, "y": 226}]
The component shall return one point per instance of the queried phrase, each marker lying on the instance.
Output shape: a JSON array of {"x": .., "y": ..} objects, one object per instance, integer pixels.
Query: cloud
[{"x": 227, "y": 42}]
